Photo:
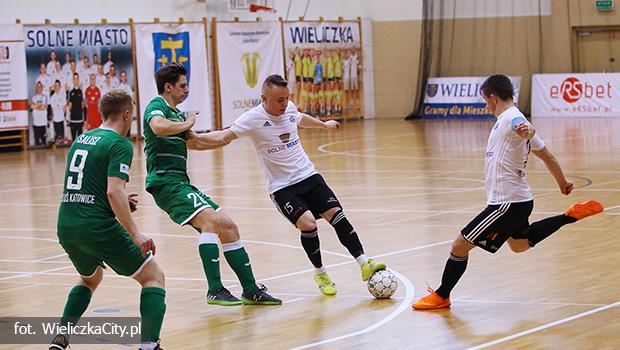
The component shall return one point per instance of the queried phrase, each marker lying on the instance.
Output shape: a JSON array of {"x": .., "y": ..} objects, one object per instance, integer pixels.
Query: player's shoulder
[{"x": 156, "y": 103}]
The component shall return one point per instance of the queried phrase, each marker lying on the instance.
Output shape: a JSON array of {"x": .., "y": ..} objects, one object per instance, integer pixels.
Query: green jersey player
[
  {"x": 95, "y": 224},
  {"x": 167, "y": 137}
]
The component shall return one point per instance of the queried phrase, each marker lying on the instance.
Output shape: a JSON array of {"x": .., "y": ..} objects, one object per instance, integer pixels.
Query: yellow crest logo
[{"x": 251, "y": 65}]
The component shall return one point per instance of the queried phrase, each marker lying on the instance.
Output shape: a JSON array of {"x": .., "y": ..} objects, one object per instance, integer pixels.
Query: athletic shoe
[
  {"x": 157, "y": 347},
  {"x": 60, "y": 342},
  {"x": 371, "y": 266},
  {"x": 583, "y": 210},
  {"x": 432, "y": 301},
  {"x": 326, "y": 286},
  {"x": 223, "y": 297},
  {"x": 259, "y": 297}
]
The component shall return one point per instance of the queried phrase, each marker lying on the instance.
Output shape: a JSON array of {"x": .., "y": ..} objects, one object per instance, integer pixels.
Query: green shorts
[
  {"x": 117, "y": 251},
  {"x": 181, "y": 201}
]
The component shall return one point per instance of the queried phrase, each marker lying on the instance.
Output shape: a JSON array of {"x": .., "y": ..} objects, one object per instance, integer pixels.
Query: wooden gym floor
[{"x": 408, "y": 188}]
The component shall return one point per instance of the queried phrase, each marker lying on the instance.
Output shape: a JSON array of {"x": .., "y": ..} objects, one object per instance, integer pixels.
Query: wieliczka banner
[
  {"x": 324, "y": 67},
  {"x": 576, "y": 95},
  {"x": 13, "y": 89},
  {"x": 158, "y": 44},
  {"x": 247, "y": 53},
  {"x": 70, "y": 67},
  {"x": 458, "y": 97}
]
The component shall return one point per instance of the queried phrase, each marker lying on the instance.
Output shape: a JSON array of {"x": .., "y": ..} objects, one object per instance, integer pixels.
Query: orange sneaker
[
  {"x": 583, "y": 210},
  {"x": 432, "y": 301}
]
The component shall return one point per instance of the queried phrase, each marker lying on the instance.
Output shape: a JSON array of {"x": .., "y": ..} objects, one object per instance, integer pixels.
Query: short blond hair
[{"x": 114, "y": 103}]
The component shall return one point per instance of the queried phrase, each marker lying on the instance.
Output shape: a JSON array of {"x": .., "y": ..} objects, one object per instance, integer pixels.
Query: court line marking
[
  {"x": 544, "y": 326},
  {"x": 30, "y": 274},
  {"x": 404, "y": 305}
]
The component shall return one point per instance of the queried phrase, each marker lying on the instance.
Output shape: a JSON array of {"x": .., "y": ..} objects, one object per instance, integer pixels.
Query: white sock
[
  {"x": 149, "y": 346},
  {"x": 361, "y": 259},
  {"x": 319, "y": 270}
]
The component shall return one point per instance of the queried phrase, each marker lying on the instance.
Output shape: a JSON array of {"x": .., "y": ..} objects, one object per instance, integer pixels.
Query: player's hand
[
  {"x": 145, "y": 243},
  {"x": 525, "y": 131},
  {"x": 191, "y": 134},
  {"x": 133, "y": 201},
  {"x": 566, "y": 187},
  {"x": 332, "y": 124},
  {"x": 191, "y": 117}
]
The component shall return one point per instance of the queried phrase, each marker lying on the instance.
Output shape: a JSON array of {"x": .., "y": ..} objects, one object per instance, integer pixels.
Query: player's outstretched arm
[
  {"x": 165, "y": 127},
  {"x": 309, "y": 122},
  {"x": 210, "y": 140},
  {"x": 566, "y": 187},
  {"x": 120, "y": 206}
]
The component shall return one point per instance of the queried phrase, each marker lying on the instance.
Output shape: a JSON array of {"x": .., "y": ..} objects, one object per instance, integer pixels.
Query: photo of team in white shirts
[
  {"x": 67, "y": 95},
  {"x": 325, "y": 81}
]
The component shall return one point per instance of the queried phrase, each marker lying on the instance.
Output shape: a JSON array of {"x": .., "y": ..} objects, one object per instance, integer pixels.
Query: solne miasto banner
[
  {"x": 158, "y": 44},
  {"x": 458, "y": 97},
  {"x": 247, "y": 53}
]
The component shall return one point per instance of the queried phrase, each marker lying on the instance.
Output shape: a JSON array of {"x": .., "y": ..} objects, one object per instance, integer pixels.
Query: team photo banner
[
  {"x": 158, "y": 44},
  {"x": 103, "y": 51},
  {"x": 458, "y": 97},
  {"x": 13, "y": 88},
  {"x": 576, "y": 95},
  {"x": 248, "y": 52},
  {"x": 324, "y": 67}
]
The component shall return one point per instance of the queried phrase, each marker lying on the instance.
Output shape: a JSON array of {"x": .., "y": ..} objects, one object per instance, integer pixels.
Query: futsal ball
[{"x": 382, "y": 284}]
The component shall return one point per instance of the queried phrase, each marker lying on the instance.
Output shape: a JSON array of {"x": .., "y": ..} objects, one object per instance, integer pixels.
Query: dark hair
[
  {"x": 498, "y": 85},
  {"x": 168, "y": 74},
  {"x": 114, "y": 103},
  {"x": 276, "y": 80}
]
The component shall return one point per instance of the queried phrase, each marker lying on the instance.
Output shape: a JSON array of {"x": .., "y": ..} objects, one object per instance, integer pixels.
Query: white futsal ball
[{"x": 382, "y": 284}]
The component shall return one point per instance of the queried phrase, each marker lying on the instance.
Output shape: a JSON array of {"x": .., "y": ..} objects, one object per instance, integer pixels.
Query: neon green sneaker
[
  {"x": 326, "y": 286},
  {"x": 371, "y": 266}
]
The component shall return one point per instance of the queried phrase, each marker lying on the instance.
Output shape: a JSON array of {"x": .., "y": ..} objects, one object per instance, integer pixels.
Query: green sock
[
  {"x": 77, "y": 302},
  {"x": 210, "y": 255},
  {"x": 152, "y": 310},
  {"x": 239, "y": 261}
]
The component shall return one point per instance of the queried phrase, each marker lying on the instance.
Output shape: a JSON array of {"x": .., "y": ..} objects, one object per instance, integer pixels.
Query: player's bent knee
[
  {"x": 518, "y": 245},
  {"x": 151, "y": 276},
  {"x": 461, "y": 247},
  {"x": 306, "y": 223}
]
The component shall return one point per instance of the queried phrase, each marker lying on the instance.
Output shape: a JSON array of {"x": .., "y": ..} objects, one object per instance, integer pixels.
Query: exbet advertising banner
[
  {"x": 324, "y": 67},
  {"x": 158, "y": 44},
  {"x": 576, "y": 95},
  {"x": 458, "y": 97},
  {"x": 247, "y": 53},
  {"x": 13, "y": 89}
]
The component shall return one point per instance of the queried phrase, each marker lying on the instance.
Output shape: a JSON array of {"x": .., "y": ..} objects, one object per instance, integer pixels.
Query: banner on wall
[
  {"x": 101, "y": 57},
  {"x": 13, "y": 89},
  {"x": 247, "y": 53},
  {"x": 458, "y": 97},
  {"x": 158, "y": 44},
  {"x": 576, "y": 95},
  {"x": 324, "y": 67}
]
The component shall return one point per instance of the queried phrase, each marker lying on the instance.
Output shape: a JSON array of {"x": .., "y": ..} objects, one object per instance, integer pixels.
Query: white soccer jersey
[
  {"x": 282, "y": 157},
  {"x": 125, "y": 87},
  {"x": 505, "y": 160},
  {"x": 106, "y": 67},
  {"x": 46, "y": 81},
  {"x": 346, "y": 68},
  {"x": 39, "y": 118},
  {"x": 51, "y": 67},
  {"x": 58, "y": 102},
  {"x": 354, "y": 62}
]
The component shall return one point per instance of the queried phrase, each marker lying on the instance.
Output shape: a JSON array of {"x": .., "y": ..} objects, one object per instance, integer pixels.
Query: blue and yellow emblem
[{"x": 172, "y": 48}]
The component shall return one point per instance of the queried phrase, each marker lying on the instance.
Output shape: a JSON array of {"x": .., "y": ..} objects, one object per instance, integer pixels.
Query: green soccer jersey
[
  {"x": 166, "y": 156},
  {"x": 85, "y": 212}
]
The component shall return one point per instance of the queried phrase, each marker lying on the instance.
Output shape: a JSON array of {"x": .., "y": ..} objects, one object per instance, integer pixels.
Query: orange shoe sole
[{"x": 583, "y": 210}]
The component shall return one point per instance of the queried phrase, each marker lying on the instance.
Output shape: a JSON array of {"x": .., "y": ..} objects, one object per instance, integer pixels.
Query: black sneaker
[
  {"x": 259, "y": 297},
  {"x": 222, "y": 296},
  {"x": 60, "y": 342}
]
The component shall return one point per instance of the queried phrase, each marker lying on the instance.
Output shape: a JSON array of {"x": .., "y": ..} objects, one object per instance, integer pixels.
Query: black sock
[
  {"x": 455, "y": 268},
  {"x": 544, "y": 228},
  {"x": 346, "y": 234},
  {"x": 311, "y": 244}
]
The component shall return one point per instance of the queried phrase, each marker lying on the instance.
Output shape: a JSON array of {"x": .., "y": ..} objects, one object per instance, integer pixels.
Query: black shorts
[
  {"x": 310, "y": 194},
  {"x": 496, "y": 223}
]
